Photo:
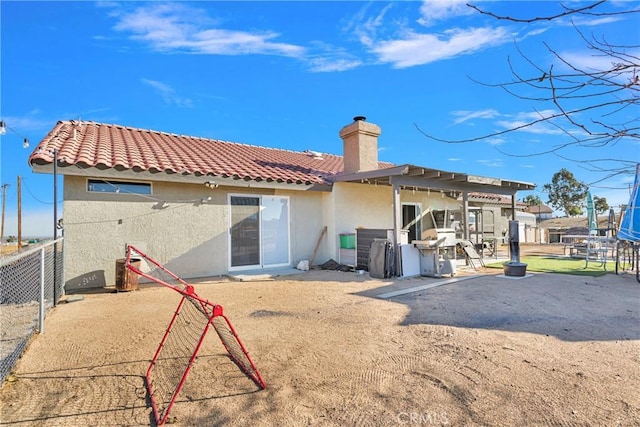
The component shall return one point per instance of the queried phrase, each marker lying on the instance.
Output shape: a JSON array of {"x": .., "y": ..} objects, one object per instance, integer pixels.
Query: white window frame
[{"x": 260, "y": 231}]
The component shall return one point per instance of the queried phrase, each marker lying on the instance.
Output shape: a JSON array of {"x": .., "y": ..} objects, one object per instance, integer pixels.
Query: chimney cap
[{"x": 359, "y": 118}]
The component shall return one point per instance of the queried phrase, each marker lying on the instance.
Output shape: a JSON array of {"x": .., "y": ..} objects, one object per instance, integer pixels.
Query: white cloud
[
  {"x": 491, "y": 163},
  {"x": 524, "y": 119},
  {"x": 366, "y": 27},
  {"x": 590, "y": 62},
  {"x": 532, "y": 33},
  {"x": 168, "y": 93},
  {"x": 331, "y": 59},
  {"x": 535, "y": 115},
  {"x": 28, "y": 123},
  {"x": 496, "y": 141},
  {"x": 581, "y": 21},
  {"x": 510, "y": 121},
  {"x": 464, "y": 115},
  {"x": 330, "y": 64},
  {"x": 525, "y": 126},
  {"x": 438, "y": 10},
  {"x": 419, "y": 49},
  {"x": 179, "y": 28}
]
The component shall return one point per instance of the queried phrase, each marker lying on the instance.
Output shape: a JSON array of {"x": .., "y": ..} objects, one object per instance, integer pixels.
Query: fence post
[
  {"x": 55, "y": 272},
  {"x": 41, "y": 317}
]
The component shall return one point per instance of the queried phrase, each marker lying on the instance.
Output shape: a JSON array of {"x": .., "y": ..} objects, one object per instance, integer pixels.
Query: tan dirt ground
[{"x": 549, "y": 349}]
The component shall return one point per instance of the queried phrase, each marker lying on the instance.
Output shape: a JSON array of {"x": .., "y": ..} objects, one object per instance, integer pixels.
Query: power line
[{"x": 37, "y": 199}]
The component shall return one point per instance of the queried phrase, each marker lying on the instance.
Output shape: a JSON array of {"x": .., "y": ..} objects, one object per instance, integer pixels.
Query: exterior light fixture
[
  {"x": 211, "y": 184},
  {"x": 3, "y": 131}
]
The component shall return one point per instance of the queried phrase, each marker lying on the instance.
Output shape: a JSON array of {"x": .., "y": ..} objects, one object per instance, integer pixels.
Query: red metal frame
[
  {"x": 131, "y": 267},
  {"x": 254, "y": 374},
  {"x": 161, "y": 418},
  {"x": 212, "y": 311}
]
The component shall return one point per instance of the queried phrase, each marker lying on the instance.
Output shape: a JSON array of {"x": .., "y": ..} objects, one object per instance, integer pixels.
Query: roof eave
[{"x": 185, "y": 178}]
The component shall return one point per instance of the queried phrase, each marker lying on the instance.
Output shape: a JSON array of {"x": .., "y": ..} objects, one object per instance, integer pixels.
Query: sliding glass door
[
  {"x": 259, "y": 231},
  {"x": 275, "y": 230}
]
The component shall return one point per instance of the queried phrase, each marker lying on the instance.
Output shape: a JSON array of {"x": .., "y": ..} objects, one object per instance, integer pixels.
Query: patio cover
[{"x": 422, "y": 178}]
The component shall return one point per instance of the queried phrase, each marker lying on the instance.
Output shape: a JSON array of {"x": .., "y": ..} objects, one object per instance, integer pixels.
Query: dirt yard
[{"x": 478, "y": 350}]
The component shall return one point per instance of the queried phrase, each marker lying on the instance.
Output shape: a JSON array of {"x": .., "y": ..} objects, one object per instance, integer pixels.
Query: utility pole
[
  {"x": 4, "y": 199},
  {"x": 19, "y": 214},
  {"x": 56, "y": 295}
]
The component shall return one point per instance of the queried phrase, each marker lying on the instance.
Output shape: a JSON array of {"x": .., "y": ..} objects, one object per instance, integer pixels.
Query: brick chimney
[{"x": 360, "y": 145}]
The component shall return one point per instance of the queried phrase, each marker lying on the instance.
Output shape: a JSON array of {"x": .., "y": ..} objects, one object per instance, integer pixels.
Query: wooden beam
[{"x": 315, "y": 250}]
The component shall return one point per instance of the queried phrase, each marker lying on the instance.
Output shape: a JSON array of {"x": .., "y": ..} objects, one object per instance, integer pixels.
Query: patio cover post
[
  {"x": 397, "y": 225},
  {"x": 465, "y": 215}
]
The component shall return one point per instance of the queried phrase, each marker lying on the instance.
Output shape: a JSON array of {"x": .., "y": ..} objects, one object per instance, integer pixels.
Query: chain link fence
[{"x": 31, "y": 283}]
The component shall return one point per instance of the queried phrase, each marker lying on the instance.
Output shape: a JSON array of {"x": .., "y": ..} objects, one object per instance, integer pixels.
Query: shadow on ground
[{"x": 570, "y": 308}]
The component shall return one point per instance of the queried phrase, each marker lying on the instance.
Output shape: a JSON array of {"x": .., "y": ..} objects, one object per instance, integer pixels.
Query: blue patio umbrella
[{"x": 630, "y": 224}]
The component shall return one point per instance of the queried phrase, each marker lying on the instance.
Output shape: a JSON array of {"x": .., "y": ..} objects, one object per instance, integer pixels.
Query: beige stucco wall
[
  {"x": 306, "y": 224},
  {"x": 191, "y": 237},
  {"x": 188, "y": 236},
  {"x": 369, "y": 206}
]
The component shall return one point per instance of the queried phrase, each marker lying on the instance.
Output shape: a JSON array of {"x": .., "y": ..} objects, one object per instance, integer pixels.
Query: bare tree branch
[
  {"x": 588, "y": 107},
  {"x": 538, "y": 18}
]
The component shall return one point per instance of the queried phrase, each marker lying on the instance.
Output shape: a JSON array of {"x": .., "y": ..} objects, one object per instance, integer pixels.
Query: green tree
[
  {"x": 532, "y": 200},
  {"x": 600, "y": 204},
  {"x": 566, "y": 193}
]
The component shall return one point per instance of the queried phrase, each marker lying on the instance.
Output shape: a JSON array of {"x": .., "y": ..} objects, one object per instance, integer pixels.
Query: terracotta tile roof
[
  {"x": 92, "y": 144},
  {"x": 542, "y": 209}
]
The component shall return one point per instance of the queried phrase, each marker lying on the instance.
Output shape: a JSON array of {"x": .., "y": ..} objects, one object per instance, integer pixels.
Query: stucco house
[
  {"x": 207, "y": 207},
  {"x": 489, "y": 216},
  {"x": 559, "y": 230},
  {"x": 541, "y": 212}
]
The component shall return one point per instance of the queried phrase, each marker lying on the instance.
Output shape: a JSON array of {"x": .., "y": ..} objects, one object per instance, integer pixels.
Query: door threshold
[{"x": 263, "y": 274}]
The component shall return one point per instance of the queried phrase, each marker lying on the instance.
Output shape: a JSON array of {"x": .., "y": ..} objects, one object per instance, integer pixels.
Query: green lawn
[{"x": 562, "y": 265}]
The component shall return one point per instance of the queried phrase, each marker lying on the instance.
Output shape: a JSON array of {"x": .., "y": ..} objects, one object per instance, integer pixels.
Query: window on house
[{"x": 124, "y": 187}]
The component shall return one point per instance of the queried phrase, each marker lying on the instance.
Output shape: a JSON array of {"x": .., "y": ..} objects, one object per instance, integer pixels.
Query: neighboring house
[
  {"x": 541, "y": 212},
  {"x": 488, "y": 219},
  {"x": 489, "y": 216},
  {"x": 557, "y": 229},
  {"x": 206, "y": 207}
]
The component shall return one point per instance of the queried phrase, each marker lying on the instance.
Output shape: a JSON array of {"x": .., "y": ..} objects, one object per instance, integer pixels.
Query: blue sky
[{"x": 291, "y": 74}]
